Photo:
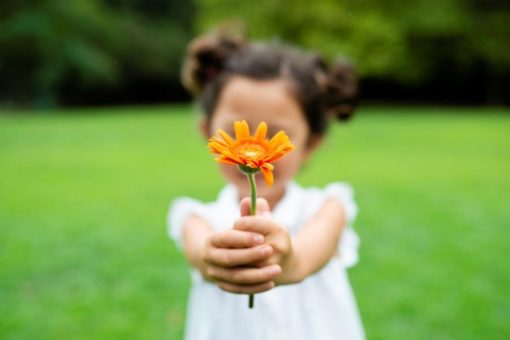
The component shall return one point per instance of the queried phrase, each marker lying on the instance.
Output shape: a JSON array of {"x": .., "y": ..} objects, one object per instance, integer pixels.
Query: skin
[{"x": 257, "y": 253}]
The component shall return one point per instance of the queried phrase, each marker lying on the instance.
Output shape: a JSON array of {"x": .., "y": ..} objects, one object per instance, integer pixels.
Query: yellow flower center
[{"x": 251, "y": 151}]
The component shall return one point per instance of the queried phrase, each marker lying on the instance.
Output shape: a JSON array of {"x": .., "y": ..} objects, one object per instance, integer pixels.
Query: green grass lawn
[{"x": 84, "y": 194}]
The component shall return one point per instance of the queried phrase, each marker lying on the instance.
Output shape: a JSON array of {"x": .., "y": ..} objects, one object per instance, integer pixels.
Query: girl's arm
[
  {"x": 221, "y": 257},
  {"x": 315, "y": 244},
  {"x": 195, "y": 232},
  {"x": 309, "y": 250}
]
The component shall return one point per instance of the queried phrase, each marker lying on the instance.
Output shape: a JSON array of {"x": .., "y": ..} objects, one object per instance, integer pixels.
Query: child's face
[{"x": 272, "y": 102}]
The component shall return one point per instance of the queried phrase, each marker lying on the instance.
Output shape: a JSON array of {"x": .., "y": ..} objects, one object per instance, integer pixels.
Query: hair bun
[
  {"x": 341, "y": 90},
  {"x": 206, "y": 58}
]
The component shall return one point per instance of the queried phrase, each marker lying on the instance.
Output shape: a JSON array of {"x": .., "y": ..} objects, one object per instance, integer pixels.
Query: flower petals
[
  {"x": 268, "y": 173},
  {"x": 225, "y": 160},
  {"x": 261, "y": 132},
  {"x": 255, "y": 152},
  {"x": 278, "y": 139},
  {"x": 242, "y": 130},
  {"x": 226, "y": 137}
]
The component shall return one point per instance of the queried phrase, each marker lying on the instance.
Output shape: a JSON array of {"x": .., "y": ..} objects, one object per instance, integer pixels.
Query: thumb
[{"x": 262, "y": 207}]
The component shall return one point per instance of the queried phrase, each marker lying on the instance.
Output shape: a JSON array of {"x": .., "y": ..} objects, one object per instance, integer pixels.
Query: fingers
[
  {"x": 244, "y": 276},
  {"x": 236, "y": 239},
  {"x": 250, "y": 289},
  {"x": 264, "y": 263},
  {"x": 257, "y": 224},
  {"x": 262, "y": 207},
  {"x": 237, "y": 257}
]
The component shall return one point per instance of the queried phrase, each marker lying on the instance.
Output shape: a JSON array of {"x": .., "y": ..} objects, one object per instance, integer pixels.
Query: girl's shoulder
[{"x": 313, "y": 197}]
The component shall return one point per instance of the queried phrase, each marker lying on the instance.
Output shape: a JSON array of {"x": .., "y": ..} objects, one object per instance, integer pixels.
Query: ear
[
  {"x": 313, "y": 143},
  {"x": 203, "y": 126}
]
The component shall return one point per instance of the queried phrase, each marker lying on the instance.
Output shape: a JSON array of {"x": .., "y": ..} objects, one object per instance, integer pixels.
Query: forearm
[
  {"x": 195, "y": 232},
  {"x": 315, "y": 244}
]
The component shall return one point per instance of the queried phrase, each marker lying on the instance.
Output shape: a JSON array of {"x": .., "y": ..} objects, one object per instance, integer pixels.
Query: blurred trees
[
  {"x": 124, "y": 51},
  {"x": 54, "y": 51},
  {"x": 411, "y": 43}
]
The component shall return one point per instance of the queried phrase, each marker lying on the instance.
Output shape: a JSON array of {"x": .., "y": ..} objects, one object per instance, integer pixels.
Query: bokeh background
[{"x": 97, "y": 136}]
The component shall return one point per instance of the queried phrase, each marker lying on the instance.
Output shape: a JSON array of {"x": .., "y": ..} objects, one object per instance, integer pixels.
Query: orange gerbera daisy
[{"x": 251, "y": 153}]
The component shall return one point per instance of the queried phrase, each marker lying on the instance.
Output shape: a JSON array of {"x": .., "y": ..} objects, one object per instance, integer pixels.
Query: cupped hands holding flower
[{"x": 253, "y": 256}]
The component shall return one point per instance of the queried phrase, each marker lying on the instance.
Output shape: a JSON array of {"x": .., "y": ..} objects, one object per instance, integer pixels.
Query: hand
[
  {"x": 226, "y": 255},
  {"x": 276, "y": 236}
]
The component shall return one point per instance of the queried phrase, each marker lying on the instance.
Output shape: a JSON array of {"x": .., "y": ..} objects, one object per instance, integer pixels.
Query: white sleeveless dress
[{"x": 322, "y": 307}]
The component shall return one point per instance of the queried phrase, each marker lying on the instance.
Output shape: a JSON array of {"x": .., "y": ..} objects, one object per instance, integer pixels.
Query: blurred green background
[
  {"x": 96, "y": 52},
  {"x": 85, "y": 183},
  {"x": 84, "y": 252}
]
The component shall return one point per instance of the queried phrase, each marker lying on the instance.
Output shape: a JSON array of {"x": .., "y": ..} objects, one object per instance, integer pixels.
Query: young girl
[{"x": 294, "y": 253}]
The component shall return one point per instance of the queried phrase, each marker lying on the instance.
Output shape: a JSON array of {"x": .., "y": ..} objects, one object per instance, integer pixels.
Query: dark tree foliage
[
  {"x": 451, "y": 50},
  {"x": 91, "y": 51},
  {"x": 57, "y": 52}
]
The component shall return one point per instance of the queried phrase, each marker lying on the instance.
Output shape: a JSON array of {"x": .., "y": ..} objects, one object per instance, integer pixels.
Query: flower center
[
  {"x": 250, "y": 154},
  {"x": 251, "y": 151}
]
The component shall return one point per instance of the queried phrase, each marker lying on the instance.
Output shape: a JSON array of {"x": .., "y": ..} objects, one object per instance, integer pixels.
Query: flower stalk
[
  {"x": 253, "y": 194},
  {"x": 253, "y": 211}
]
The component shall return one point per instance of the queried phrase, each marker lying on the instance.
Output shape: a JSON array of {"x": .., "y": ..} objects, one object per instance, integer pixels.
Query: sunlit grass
[{"x": 83, "y": 199}]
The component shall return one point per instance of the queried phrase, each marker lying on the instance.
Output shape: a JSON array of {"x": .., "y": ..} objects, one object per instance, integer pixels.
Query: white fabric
[{"x": 321, "y": 307}]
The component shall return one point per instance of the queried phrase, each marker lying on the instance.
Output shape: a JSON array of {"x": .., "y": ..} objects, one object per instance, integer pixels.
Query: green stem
[
  {"x": 253, "y": 192},
  {"x": 253, "y": 211}
]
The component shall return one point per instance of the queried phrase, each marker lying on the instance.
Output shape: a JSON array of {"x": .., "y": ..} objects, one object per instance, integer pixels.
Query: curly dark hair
[{"x": 322, "y": 90}]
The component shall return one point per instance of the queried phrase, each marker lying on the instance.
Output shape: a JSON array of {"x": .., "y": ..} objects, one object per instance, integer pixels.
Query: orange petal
[
  {"x": 226, "y": 137},
  {"x": 219, "y": 142},
  {"x": 242, "y": 130},
  {"x": 225, "y": 160},
  {"x": 284, "y": 148},
  {"x": 230, "y": 155},
  {"x": 278, "y": 139},
  {"x": 274, "y": 157},
  {"x": 278, "y": 153},
  {"x": 216, "y": 147},
  {"x": 260, "y": 134},
  {"x": 267, "y": 171}
]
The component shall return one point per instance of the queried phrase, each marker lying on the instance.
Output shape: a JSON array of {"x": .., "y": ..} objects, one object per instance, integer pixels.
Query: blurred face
[{"x": 272, "y": 102}]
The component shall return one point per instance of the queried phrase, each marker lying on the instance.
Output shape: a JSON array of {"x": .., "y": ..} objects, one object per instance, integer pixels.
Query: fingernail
[
  {"x": 258, "y": 238},
  {"x": 274, "y": 270},
  {"x": 265, "y": 250}
]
